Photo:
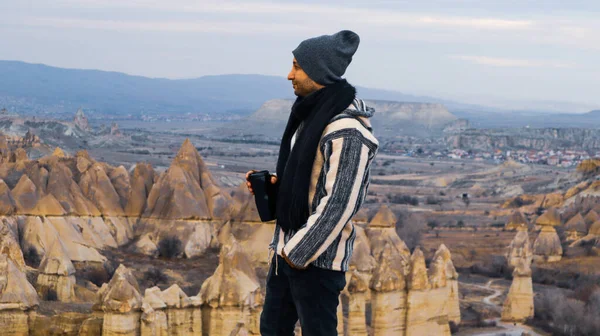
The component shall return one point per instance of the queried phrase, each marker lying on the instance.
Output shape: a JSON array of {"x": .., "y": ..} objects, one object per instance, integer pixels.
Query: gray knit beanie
[{"x": 325, "y": 58}]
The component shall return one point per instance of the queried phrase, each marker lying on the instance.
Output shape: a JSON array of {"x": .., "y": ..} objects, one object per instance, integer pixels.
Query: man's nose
[{"x": 291, "y": 75}]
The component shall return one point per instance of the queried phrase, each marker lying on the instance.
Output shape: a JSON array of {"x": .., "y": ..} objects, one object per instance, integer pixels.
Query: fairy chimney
[
  {"x": 121, "y": 302},
  {"x": 575, "y": 228},
  {"x": 520, "y": 247},
  {"x": 382, "y": 230},
  {"x": 184, "y": 316},
  {"x": 358, "y": 291},
  {"x": 518, "y": 306},
  {"x": 388, "y": 296},
  {"x": 18, "y": 299},
  {"x": 453, "y": 303},
  {"x": 516, "y": 220},
  {"x": 547, "y": 246},
  {"x": 426, "y": 302},
  {"x": 57, "y": 274},
  {"x": 232, "y": 294}
]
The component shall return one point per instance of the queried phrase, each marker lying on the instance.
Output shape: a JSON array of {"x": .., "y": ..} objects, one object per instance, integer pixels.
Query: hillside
[{"x": 391, "y": 117}]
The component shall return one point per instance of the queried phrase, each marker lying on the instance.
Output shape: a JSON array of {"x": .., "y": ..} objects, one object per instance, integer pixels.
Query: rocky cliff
[
  {"x": 524, "y": 138},
  {"x": 390, "y": 118}
]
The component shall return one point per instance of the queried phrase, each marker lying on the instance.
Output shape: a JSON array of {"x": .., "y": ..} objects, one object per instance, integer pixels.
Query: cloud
[
  {"x": 230, "y": 27},
  {"x": 295, "y": 11},
  {"x": 513, "y": 63}
]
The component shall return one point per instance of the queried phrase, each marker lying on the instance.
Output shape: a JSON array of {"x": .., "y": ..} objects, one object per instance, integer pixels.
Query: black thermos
[{"x": 264, "y": 194}]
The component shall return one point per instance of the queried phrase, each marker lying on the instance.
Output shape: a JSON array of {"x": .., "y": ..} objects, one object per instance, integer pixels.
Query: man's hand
[
  {"x": 273, "y": 180},
  {"x": 289, "y": 262}
]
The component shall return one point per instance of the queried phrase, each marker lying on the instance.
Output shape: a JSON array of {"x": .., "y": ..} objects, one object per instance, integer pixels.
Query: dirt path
[{"x": 510, "y": 329}]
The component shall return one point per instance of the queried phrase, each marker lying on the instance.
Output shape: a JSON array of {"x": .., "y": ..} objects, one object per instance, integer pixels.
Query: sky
[{"x": 503, "y": 53}]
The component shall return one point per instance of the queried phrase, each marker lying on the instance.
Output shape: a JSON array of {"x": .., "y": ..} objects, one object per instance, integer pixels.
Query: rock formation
[
  {"x": 114, "y": 129},
  {"x": 184, "y": 316},
  {"x": 154, "y": 319},
  {"x": 358, "y": 290},
  {"x": 17, "y": 299},
  {"x": 187, "y": 190},
  {"x": 547, "y": 246},
  {"x": 56, "y": 280},
  {"x": 518, "y": 305},
  {"x": 26, "y": 195},
  {"x": 62, "y": 186},
  {"x": 47, "y": 206},
  {"x": 20, "y": 155},
  {"x": 9, "y": 245},
  {"x": 244, "y": 206},
  {"x": 240, "y": 330},
  {"x": 575, "y": 227},
  {"x": 519, "y": 248},
  {"x": 121, "y": 302},
  {"x": 98, "y": 188},
  {"x": 516, "y": 220},
  {"x": 142, "y": 180},
  {"x": 7, "y": 202},
  {"x": 591, "y": 217},
  {"x": 199, "y": 241},
  {"x": 382, "y": 230},
  {"x": 595, "y": 229},
  {"x": 551, "y": 217},
  {"x": 388, "y": 296},
  {"x": 453, "y": 304},
  {"x": 577, "y": 189},
  {"x": 146, "y": 245},
  {"x": 231, "y": 294},
  {"x": 361, "y": 217},
  {"x": 427, "y": 302},
  {"x": 77, "y": 248},
  {"x": 362, "y": 259},
  {"x": 119, "y": 178},
  {"x": 58, "y": 152},
  {"x": 81, "y": 121}
]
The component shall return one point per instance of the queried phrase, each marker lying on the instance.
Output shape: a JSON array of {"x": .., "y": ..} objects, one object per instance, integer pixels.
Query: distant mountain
[
  {"x": 36, "y": 89},
  {"x": 65, "y": 90},
  {"x": 118, "y": 93}
]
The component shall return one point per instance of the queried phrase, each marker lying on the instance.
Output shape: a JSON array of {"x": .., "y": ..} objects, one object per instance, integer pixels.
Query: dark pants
[{"x": 310, "y": 295}]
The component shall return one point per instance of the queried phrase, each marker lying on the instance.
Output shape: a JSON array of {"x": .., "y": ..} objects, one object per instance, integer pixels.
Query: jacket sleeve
[{"x": 346, "y": 160}]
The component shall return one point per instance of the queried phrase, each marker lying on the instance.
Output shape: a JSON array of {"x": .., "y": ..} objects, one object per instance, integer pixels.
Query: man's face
[{"x": 303, "y": 85}]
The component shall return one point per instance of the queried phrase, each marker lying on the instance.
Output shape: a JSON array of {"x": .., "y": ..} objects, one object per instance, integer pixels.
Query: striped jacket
[{"x": 339, "y": 183}]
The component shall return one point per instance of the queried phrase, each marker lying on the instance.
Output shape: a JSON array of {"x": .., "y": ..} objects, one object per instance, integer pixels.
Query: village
[{"x": 559, "y": 158}]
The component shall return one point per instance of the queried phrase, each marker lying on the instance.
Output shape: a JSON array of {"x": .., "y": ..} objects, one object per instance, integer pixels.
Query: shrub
[
  {"x": 460, "y": 223},
  {"x": 433, "y": 200},
  {"x": 496, "y": 267},
  {"x": 411, "y": 233},
  {"x": 155, "y": 276},
  {"x": 566, "y": 316},
  {"x": 432, "y": 224},
  {"x": 518, "y": 202},
  {"x": 170, "y": 247},
  {"x": 404, "y": 199},
  {"x": 96, "y": 275}
]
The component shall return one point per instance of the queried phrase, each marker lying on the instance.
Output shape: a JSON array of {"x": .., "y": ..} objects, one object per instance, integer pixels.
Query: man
[{"x": 322, "y": 179}]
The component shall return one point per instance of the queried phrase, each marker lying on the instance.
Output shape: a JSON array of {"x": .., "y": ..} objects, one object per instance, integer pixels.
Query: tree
[
  {"x": 170, "y": 247},
  {"x": 432, "y": 224}
]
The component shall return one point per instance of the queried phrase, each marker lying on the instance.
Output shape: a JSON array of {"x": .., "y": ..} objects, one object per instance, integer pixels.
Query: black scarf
[{"x": 294, "y": 168}]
